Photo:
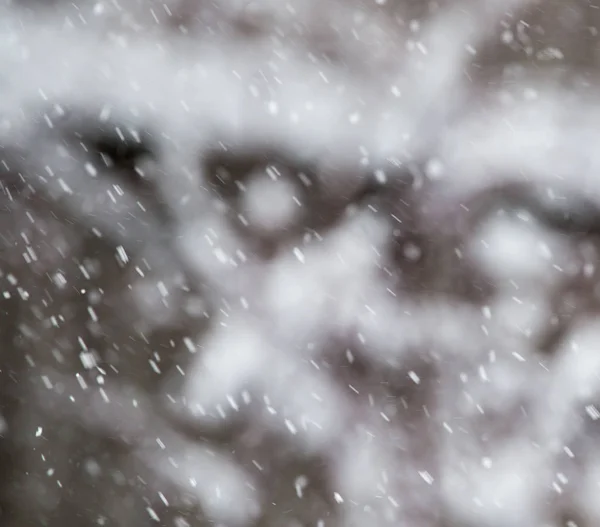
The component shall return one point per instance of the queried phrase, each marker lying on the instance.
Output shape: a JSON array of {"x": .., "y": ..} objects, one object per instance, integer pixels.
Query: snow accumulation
[{"x": 299, "y": 263}]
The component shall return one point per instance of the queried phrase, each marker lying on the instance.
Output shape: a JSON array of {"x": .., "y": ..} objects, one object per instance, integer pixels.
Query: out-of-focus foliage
[{"x": 326, "y": 263}]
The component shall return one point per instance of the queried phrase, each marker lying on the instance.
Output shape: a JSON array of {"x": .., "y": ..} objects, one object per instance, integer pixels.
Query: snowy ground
[{"x": 306, "y": 263}]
